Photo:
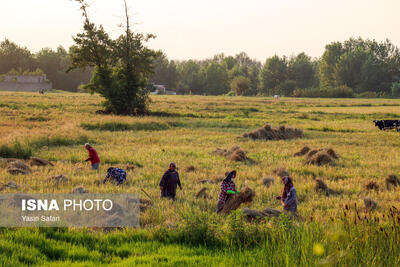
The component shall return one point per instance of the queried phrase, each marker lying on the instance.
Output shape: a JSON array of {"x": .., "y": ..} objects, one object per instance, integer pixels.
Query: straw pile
[
  {"x": 57, "y": 179},
  {"x": 268, "y": 133},
  {"x": 302, "y": 152},
  {"x": 235, "y": 201},
  {"x": 372, "y": 185},
  {"x": 268, "y": 181},
  {"x": 39, "y": 162},
  {"x": 234, "y": 154},
  {"x": 319, "y": 157},
  {"x": 281, "y": 172},
  {"x": 255, "y": 214},
  {"x": 190, "y": 168},
  {"x": 18, "y": 167},
  {"x": 321, "y": 187},
  {"x": 202, "y": 193},
  {"x": 392, "y": 181},
  {"x": 11, "y": 184},
  {"x": 80, "y": 190}
]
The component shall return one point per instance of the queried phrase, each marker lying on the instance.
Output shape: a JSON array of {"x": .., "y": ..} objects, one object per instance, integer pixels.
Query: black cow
[{"x": 388, "y": 124}]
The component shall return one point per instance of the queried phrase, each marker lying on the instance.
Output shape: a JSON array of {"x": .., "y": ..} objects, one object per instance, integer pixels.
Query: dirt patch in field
[
  {"x": 234, "y": 201},
  {"x": 18, "y": 167},
  {"x": 321, "y": 187},
  {"x": 39, "y": 162},
  {"x": 392, "y": 181},
  {"x": 268, "y": 133},
  {"x": 234, "y": 154}
]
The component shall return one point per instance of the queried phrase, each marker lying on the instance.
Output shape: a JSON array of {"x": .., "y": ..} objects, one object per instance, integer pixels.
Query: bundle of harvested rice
[
  {"x": 39, "y": 162},
  {"x": 11, "y": 184},
  {"x": 320, "y": 158},
  {"x": 57, "y": 179},
  {"x": 255, "y": 214},
  {"x": 312, "y": 152},
  {"x": 392, "y": 181},
  {"x": 18, "y": 167},
  {"x": 370, "y": 205},
  {"x": 129, "y": 167},
  {"x": 321, "y": 187},
  {"x": 281, "y": 172},
  {"x": 234, "y": 154},
  {"x": 302, "y": 152},
  {"x": 235, "y": 201},
  {"x": 202, "y": 193},
  {"x": 268, "y": 181},
  {"x": 190, "y": 168},
  {"x": 372, "y": 185},
  {"x": 268, "y": 133},
  {"x": 332, "y": 153},
  {"x": 80, "y": 190}
]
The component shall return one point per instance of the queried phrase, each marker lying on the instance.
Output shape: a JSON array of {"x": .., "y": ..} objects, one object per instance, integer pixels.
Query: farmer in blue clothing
[
  {"x": 116, "y": 174},
  {"x": 289, "y": 197}
]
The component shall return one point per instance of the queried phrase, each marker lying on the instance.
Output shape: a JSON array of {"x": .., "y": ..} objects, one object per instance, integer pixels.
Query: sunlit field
[{"x": 186, "y": 130}]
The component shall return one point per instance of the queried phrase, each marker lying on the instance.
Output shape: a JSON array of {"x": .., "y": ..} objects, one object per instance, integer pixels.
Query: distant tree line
[
  {"x": 356, "y": 67},
  {"x": 53, "y": 63}
]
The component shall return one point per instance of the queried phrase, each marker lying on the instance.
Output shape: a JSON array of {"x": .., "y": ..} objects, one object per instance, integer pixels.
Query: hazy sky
[{"x": 199, "y": 29}]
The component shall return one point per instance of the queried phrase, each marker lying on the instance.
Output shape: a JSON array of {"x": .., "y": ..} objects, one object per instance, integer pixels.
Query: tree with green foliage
[
  {"x": 122, "y": 67},
  {"x": 13, "y": 56},
  {"x": 216, "y": 79},
  {"x": 273, "y": 74},
  {"x": 241, "y": 85}
]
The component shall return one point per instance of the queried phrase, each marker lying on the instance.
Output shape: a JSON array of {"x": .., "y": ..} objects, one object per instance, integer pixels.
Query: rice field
[{"x": 333, "y": 229}]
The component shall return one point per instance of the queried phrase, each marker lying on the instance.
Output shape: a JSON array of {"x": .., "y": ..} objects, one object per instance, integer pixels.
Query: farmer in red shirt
[{"x": 93, "y": 157}]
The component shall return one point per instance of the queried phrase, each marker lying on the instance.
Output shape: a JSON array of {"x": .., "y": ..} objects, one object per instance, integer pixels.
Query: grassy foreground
[{"x": 186, "y": 129}]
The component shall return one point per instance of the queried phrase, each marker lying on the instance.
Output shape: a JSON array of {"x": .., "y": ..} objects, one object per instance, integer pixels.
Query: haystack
[
  {"x": 268, "y": 181},
  {"x": 18, "y": 167},
  {"x": 281, "y": 172},
  {"x": 392, "y": 181},
  {"x": 235, "y": 201},
  {"x": 370, "y": 205},
  {"x": 39, "y": 162},
  {"x": 268, "y": 133},
  {"x": 372, "y": 185},
  {"x": 234, "y": 154},
  {"x": 190, "y": 168},
  {"x": 302, "y": 152},
  {"x": 255, "y": 214},
  {"x": 320, "y": 158},
  {"x": 312, "y": 152},
  {"x": 202, "y": 193},
  {"x": 321, "y": 187},
  {"x": 57, "y": 179}
]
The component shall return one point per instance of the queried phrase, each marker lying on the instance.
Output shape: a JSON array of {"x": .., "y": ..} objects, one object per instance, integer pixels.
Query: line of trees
[
  {"x": 54, "y": 63},
  {"x": 355, "y": 67}
]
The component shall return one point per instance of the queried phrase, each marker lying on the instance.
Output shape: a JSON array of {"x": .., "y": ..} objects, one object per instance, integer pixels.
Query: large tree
[{"x": 122, "y": 67}]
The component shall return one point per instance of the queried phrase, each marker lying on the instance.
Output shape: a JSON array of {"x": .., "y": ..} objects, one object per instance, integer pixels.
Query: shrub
[
  {"x": 396, "y": 89},
  {"x": 241, "y": 85},
  {"x": 328, "y": 92}
]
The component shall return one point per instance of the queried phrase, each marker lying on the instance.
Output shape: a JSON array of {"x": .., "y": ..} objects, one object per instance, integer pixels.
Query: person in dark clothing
[
  {"x": 228, "y": 188},
  {"x": 115, "y": 174},
  {"x": 289, "y": 197},
  {"x": 169, "y": 182}
]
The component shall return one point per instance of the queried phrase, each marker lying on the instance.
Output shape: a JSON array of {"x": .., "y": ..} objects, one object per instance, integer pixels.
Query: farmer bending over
[
  {"x": 169, "y": 182},
  {"x": 116, "y": 174},
  {"x": 93, "y": 156},
  {"x": 227, "y": 189},
  {"x": 288, "y": 198}
]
